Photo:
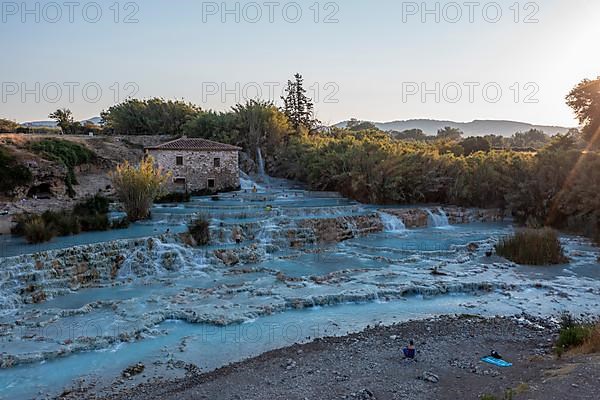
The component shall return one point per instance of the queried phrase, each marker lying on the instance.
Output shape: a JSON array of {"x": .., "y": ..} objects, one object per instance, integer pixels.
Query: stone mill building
[{"x": 198, "y": 166}]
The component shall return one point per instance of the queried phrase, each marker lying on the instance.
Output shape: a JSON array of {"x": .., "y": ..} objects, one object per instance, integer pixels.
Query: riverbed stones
[
  {"x": 335, "y": 230},
  {"x": 429, "y": 377},
  {"x": 133, "y": 370}
]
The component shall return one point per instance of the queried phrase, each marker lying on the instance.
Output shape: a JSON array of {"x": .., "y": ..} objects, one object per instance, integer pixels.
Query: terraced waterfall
[{"x": 309, "y": 265}]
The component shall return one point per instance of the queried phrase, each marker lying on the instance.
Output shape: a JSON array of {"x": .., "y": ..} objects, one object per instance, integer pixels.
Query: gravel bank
[{"x": 369, "y": 365}]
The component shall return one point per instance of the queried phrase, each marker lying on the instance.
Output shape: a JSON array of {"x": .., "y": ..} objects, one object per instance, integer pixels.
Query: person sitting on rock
[{"x": 410, "y": 351}]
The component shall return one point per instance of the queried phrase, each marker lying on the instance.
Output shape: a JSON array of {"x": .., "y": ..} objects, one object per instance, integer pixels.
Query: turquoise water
[
  {"x": 230, "y": 208},
  {"x": 210, "y": 346},
  {"x": 209, "y": 314}
]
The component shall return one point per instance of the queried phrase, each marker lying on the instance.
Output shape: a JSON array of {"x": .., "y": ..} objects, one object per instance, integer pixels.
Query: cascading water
[
  {"x": 261, "y": 166},
  {"x": 247, "y": 183},
  {"x": 266, "y": 232},
  {"x": 438, "y": 220},
  {"x": 157, "y": 259},
  {"x": 286, "y": 260},
  {"x": 391, "y": 223}
]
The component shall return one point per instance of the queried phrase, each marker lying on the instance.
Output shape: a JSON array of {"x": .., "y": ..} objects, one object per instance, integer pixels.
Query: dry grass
[
  {"x": 578, "y": 337},
  {"x": 591, "y": 344},
  {"x": 137, "y": 187}
]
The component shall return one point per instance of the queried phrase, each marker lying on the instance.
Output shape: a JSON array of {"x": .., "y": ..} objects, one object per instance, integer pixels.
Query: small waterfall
[
  {"x": 157, "y": 258},
  {"x": 267, "y": 232},
  {"x": 391, "y": 223},
  {"x": 247, "y": 183},
  {"x": 438, "y": 220},
  {"x": 261, "y": 166}
]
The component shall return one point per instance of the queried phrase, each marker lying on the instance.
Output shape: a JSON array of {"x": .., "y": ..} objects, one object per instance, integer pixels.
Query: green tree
[
  {"x": 474, "y": 144},
  {"x": 497, "y": 141},
  {"x": 449, "y": 133},
  {"x": 253, "y": 118},
  {"x": 221, "y": 127},
  {"x": 149, "y": 117},
  {"x": 65, "y": 121},
  {"x": 584, "y": 99},
  {"x": 410, "y": 134},
  {"x": 532, "y": 138},
  {"x": 298, "y": 107},
  {"x": 356, "y": 125},
  {"x": 262, "y": 125}
]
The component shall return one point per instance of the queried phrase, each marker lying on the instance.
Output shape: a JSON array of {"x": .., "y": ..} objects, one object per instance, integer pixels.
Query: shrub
[
  {"x": 533, "y": 247},
  {"x": 94, "y": 205},
  {"x": 199, "y": 229},
  {"x": 20, "y": 222},
  {"x": 94, "y": 222},
  {"x": 12, "y": 174},
  {"x": 37, "y": 231},
  {"x": 592, "y": 342},
  {"x": 137, "y": 188},
  {"x": 90, "y": 215},
  {"x": 68, "y": 153},
  {"x": 62, "y": 223},
  {"x": 572, "y": 336},
  {"x": 578, "y": 336}
]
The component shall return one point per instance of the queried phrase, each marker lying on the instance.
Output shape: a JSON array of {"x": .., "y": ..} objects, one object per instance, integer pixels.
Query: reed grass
[{"x": 533, "y": 247}]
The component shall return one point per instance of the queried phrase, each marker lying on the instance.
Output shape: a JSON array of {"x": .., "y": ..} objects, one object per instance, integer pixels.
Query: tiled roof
[{"x": 194, "y": 144}]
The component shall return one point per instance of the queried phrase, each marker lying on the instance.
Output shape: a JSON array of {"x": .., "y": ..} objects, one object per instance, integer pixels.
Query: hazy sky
[{"x": 373, "y": 60}]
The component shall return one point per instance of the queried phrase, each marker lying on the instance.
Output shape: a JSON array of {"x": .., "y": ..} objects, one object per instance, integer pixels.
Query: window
[
  {"x": 179, "y": 181},
  {"x": 179, "y": 160},
  {"x": 217, "y": 162},
  {"x": 211, "y": 183}
]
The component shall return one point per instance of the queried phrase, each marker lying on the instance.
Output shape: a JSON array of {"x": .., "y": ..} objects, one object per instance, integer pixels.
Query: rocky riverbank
[{"x": 369, "y": 365}]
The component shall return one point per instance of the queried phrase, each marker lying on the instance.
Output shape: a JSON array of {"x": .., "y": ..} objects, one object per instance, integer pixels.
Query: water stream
[
  {"x": 307, "y": 266},
  {"x": 391, "y": 223},
  {"x": 438, "y": 219}
]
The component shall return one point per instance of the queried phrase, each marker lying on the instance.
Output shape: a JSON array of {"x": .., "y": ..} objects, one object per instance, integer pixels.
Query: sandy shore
[{"x": 369, "y": 365}]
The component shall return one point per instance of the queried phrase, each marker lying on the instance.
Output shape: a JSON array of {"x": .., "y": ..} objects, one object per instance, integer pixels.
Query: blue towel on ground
[{"x": 496, "y": 361}]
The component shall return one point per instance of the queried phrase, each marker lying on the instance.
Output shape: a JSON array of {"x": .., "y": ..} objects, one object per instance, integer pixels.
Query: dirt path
[{"x": 369, "y": 365}]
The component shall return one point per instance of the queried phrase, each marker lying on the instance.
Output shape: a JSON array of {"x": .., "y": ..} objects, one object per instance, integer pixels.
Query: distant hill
[
  {"x": 38, "y": 124},
  {"x": 93, "y": 120},
  {"x": 474, "y": 128},
  {"x": 52, "y": 124}
]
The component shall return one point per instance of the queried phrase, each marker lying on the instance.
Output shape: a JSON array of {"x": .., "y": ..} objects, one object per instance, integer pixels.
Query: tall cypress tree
[{"x": 298, "y": 107}]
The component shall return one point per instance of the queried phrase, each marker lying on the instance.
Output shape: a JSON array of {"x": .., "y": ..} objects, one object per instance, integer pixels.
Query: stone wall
[
  {"x": 334, "y": 230},
  {"x": 198, "y": 167}
]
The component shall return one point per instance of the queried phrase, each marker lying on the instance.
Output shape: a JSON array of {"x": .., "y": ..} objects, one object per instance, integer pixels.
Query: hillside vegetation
[{"x": 555, "y": 184}]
